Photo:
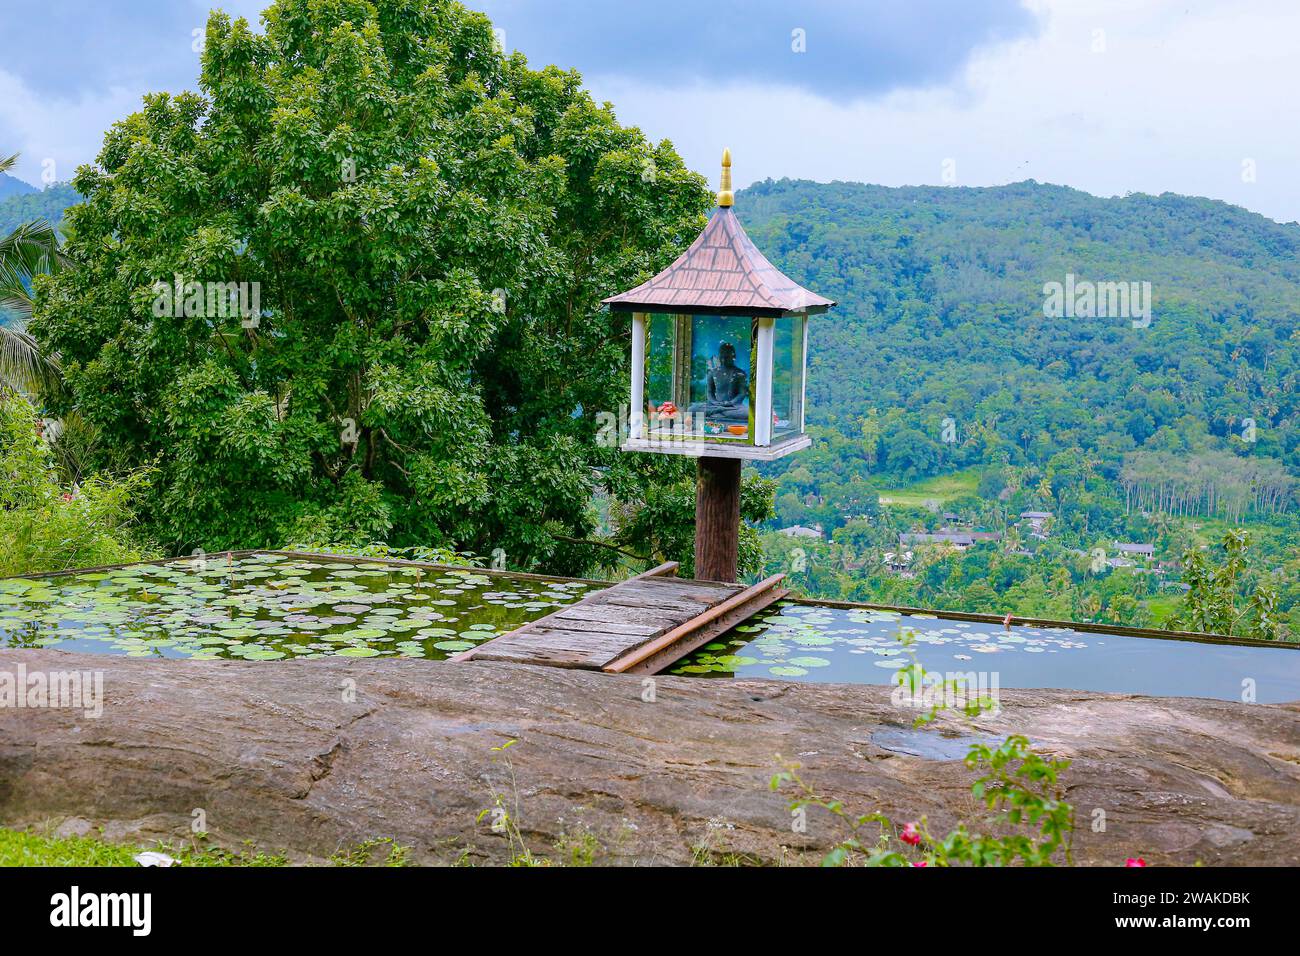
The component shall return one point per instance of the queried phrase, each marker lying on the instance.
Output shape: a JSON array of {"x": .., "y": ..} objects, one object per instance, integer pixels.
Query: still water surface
[
  {"x": 268, "y": 607},
  {"x": 838, "y": 645}
]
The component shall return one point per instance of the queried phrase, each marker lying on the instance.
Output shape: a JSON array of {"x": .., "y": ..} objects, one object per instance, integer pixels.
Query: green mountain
[
  {"x": 943, "y": 315},
  {"x": 49, "y": 203},
  {"x": 13, "y": 186}
]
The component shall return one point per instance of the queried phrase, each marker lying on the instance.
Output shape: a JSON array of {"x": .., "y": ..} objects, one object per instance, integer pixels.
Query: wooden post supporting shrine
[{"x": 717, "y": 519}]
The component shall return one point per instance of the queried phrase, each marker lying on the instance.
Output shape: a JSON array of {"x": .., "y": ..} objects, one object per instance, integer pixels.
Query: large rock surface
[{"x": 283, "y": 754}]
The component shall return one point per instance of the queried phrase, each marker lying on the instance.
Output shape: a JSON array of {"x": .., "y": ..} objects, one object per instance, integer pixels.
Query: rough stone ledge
[{"x": 292, "y": 757}]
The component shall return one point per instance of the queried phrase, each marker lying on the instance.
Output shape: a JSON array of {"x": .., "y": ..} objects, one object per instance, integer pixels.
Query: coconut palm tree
[{"x": 30, "y": 249}]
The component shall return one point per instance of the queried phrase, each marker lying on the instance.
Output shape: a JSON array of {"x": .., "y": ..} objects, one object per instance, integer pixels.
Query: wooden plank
[
  {"x": 540, "y": 658},
  {"x": 674, "y": 584},
  {"x": 676, "y": 591},
  {"x": 744, "y": 599},
  {"x": 630, "y": 614},
  {"x": 671, "y": 591},
  {"x": 689, "y": 608},
  {"x": 608, "y": 625},
  {"x": 602, "y": 627},
  {"x": 666, "y": 657},
  {"x": 666, "y": 570}
]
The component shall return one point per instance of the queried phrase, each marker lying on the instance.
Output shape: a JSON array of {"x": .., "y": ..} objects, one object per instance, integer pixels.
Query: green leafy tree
[
  {"x": 431, "y": 226},
  {"x": 1212, "y": 603}
]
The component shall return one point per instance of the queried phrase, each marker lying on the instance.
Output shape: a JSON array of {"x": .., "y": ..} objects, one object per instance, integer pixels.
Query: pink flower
[
  {"x": 920, "y": 863},
  {"x": 911, "y": 834},
  {"x": 67, "y": 496},
  {"x": 1135, "y": 861}
]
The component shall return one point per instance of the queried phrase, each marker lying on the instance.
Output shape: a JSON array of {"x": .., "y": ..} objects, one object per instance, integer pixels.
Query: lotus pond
[
  {"x": 265, "y": 607},
  {"x": 808, "y": 642}
]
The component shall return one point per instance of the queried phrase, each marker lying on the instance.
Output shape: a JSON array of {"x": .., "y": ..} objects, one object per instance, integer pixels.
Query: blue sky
[{"x": 1111, "y": 96}]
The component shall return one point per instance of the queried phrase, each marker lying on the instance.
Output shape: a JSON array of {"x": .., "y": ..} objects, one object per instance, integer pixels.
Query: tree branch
[{"x": 601, "y": 544}]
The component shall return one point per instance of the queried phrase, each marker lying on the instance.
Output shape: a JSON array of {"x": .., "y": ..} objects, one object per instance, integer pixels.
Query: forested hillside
[
  {"x": 13, "y": 186},
  {"x": 942, "y": 315},
  {"x": 945, "y": 356},
  {"x": 49, "y": 204}
]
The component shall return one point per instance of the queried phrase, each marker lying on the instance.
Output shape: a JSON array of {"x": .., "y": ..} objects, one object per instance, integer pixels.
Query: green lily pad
[
  {"x": 366, "y": 633},
  {"x": 810, "y": 661}
]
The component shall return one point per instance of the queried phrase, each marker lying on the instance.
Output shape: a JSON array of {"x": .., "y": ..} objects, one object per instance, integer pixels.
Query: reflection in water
[{"x": 839, "y": 645}]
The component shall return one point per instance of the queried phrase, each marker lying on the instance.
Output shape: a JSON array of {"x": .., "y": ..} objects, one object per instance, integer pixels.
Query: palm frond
[
  {"x": 22, "y": 366},
  {"x": 31, "y": 249},
  {"x": 8, "y": 164}
]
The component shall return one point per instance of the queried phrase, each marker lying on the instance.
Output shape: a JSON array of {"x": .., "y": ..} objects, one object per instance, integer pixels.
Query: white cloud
[
  {"x": 1178, "y": 98},
  {"x": 149, "y": 47},
  {"x": 56, "y": 133}
]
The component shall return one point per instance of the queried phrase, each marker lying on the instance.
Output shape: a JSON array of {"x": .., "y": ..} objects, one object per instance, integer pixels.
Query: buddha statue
[{"x": 728, "y": 389}]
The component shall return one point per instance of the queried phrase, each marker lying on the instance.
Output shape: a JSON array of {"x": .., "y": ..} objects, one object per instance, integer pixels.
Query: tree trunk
[{"x": 717, "y": 519}]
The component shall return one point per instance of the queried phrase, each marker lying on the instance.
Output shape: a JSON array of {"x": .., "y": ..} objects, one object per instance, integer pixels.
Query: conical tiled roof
[{"x": 722, "y": 271}]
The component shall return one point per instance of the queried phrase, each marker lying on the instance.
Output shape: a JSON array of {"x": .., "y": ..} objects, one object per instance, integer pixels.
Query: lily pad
[
  {"x": 454, "y": 645},
  {"x": 810, "y": 661},
  {"x": 787, "y": 671}
]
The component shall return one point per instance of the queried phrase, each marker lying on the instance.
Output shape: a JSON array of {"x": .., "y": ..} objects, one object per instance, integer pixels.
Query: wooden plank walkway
[{"x": 636, "y": 626}]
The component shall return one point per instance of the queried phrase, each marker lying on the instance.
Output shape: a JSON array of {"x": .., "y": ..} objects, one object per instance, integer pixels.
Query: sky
[{"x": 1110, "y": 96}]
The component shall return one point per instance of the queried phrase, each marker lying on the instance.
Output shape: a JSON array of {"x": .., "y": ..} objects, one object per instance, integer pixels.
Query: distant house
[
  {"x": 961, "y": 540},
  {"x": 1144, "y": 551},
  {"x": 1128, "y": 556},
  {"x": 799, "y": 531},
  {"x": 1037, "y": 521}
]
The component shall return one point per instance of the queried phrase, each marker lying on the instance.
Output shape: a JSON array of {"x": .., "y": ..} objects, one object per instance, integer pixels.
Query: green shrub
[{"x": 47, "y": 526}]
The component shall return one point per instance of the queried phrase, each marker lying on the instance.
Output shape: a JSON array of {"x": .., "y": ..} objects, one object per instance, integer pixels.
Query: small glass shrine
[{"x": 719, "y": 348}]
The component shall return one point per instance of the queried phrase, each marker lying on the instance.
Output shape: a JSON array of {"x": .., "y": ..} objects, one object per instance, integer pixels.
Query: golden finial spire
[{"x": 725, "y": 198}]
